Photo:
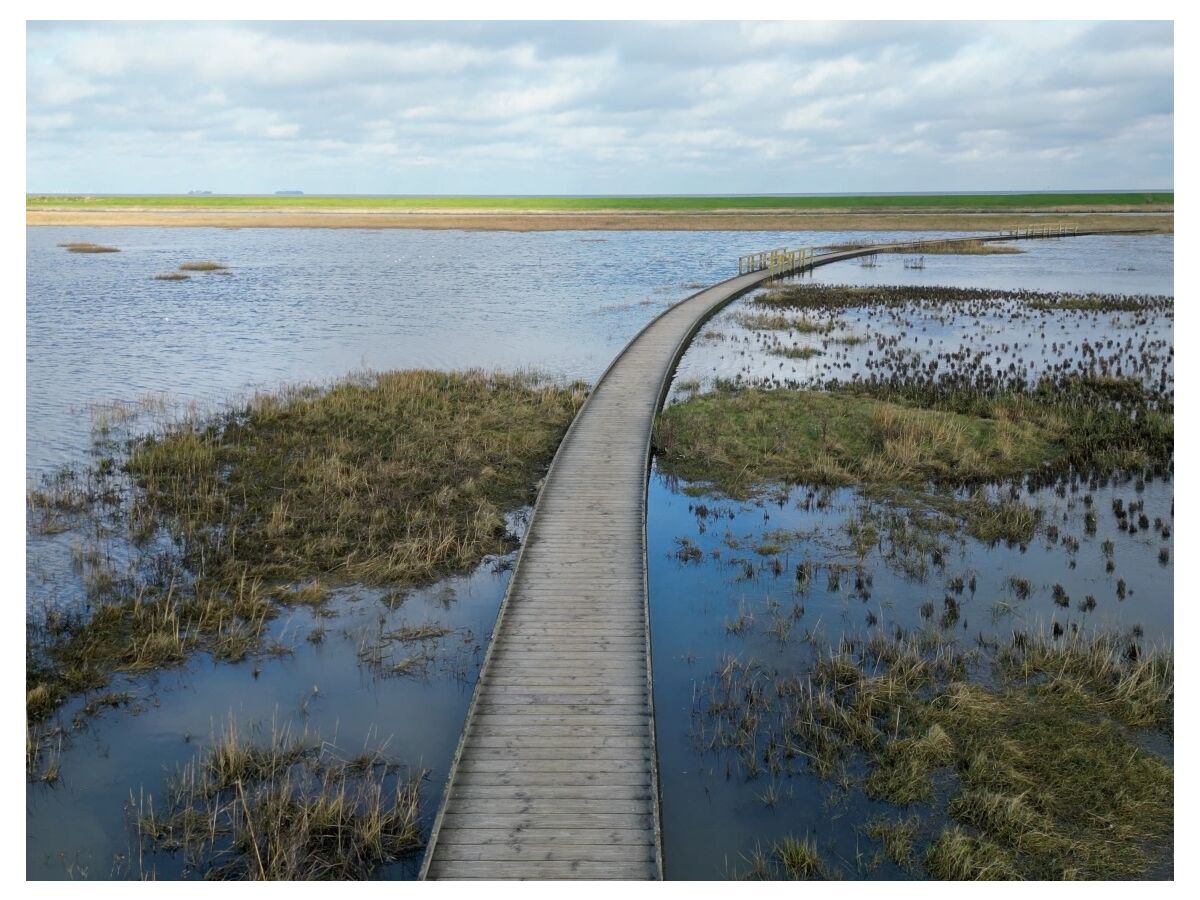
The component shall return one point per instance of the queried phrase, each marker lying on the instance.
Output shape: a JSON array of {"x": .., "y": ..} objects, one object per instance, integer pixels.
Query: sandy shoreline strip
[{"x": 545, "y": 220}]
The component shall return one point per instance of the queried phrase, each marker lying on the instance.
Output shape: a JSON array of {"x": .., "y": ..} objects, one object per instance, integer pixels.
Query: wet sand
[{"x": 542, "y": 220}]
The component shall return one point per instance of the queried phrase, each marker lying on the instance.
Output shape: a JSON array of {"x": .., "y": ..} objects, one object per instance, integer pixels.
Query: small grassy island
[{"x": 394, "y": 478}]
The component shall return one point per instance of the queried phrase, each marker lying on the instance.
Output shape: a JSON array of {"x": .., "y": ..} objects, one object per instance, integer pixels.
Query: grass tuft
[
  {"x": 87, "y": 247},
  {"x": 203, "y": 266},
  {"x": 289, "y": 809}
]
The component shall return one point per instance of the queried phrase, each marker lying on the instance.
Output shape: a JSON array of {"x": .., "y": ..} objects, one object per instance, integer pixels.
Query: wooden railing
[
  {"x": 779, "y": 261},
  {"x": 1042, "y": 231},
  {"x": 782, "y": 261}
]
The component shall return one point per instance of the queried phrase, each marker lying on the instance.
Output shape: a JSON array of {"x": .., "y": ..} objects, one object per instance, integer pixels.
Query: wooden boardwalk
[{"x": 556, "y": 773}]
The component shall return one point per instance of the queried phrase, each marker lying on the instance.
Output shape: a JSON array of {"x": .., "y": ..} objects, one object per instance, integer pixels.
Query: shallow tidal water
[
  {"x": 714, "y": 815},
  {"x": 311, "y": 305}
]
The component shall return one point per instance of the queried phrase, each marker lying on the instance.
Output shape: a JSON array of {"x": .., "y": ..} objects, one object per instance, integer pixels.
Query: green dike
[{"x": 632, "y": 203}]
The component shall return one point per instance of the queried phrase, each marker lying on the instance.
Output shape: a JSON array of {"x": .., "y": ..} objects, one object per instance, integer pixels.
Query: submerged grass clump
[
  {"x": 779, "y": 322},
  {"x": 796, "y": 352},
  {"x": 1008, "y": 520},
  {"x": 288, "y": 809},
  {"x": 398, "y": 478}
]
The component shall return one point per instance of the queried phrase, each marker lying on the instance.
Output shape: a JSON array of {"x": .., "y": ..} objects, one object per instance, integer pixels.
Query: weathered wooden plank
[
  {"x": 541, "y": 834},
  {"x": 510, "y": 658},
  {"x": 550, "y": 870},
  {"x": 594, "y": 765},
  {"x": 561, "y": 743},
  {"x": 533, "y": 778},
  {"x": 547, "y": 836},
  {"x": 550, "y": 852},
  {"x": 497, "y": 754},
  {"x": 584, "y": 732},
  {"x": 504, "y": 690},
  {"x": 604, "y": 797},
  {"x": 509, "y": 691},
  {"x": 609, "y": 722},
  {"x": 477, "y": 819},
  {"x": 520, "y": 808}
]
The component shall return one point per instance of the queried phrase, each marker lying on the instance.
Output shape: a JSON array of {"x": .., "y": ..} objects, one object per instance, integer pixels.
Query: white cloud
[{"x": 544, "y": 107}]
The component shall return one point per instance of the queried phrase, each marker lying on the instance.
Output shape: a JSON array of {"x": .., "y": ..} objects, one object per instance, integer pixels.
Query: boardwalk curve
[{"x": 556, "y": 774}]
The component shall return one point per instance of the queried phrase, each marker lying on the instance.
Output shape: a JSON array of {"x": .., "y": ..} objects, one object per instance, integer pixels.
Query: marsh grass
[
  {"x": 897, "y": 838},
  {"x": 289, "y": 808},
  {"x": 1048, "y": 774},
  {"x": 958, "y": 855},
  {"x": 827, "y": 299},
  {"x": 737, "y": 439},
  {"x": 789, "y": 859},
  {"x": 796, "y": 352},
  {"x": 172, "y": 276},
  {"x": 87, "y": 247},
  {"x": 397, "y": 478},
  {"x": 776, "y": 322},
  {"x": 203, "y": 266},
  {"x": 992, "y": 521}
]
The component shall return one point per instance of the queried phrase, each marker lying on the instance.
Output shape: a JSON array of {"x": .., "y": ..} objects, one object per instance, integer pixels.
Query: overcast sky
[{"x": 598, "y": 108}]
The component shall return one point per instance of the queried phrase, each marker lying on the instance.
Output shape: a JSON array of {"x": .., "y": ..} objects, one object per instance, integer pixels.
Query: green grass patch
[
  {"x": 740, "y": 439},
  {"x": 617, "y": 202},
  {"x": 737, "y": 439},
  {"x": 399, "y": 477}
]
